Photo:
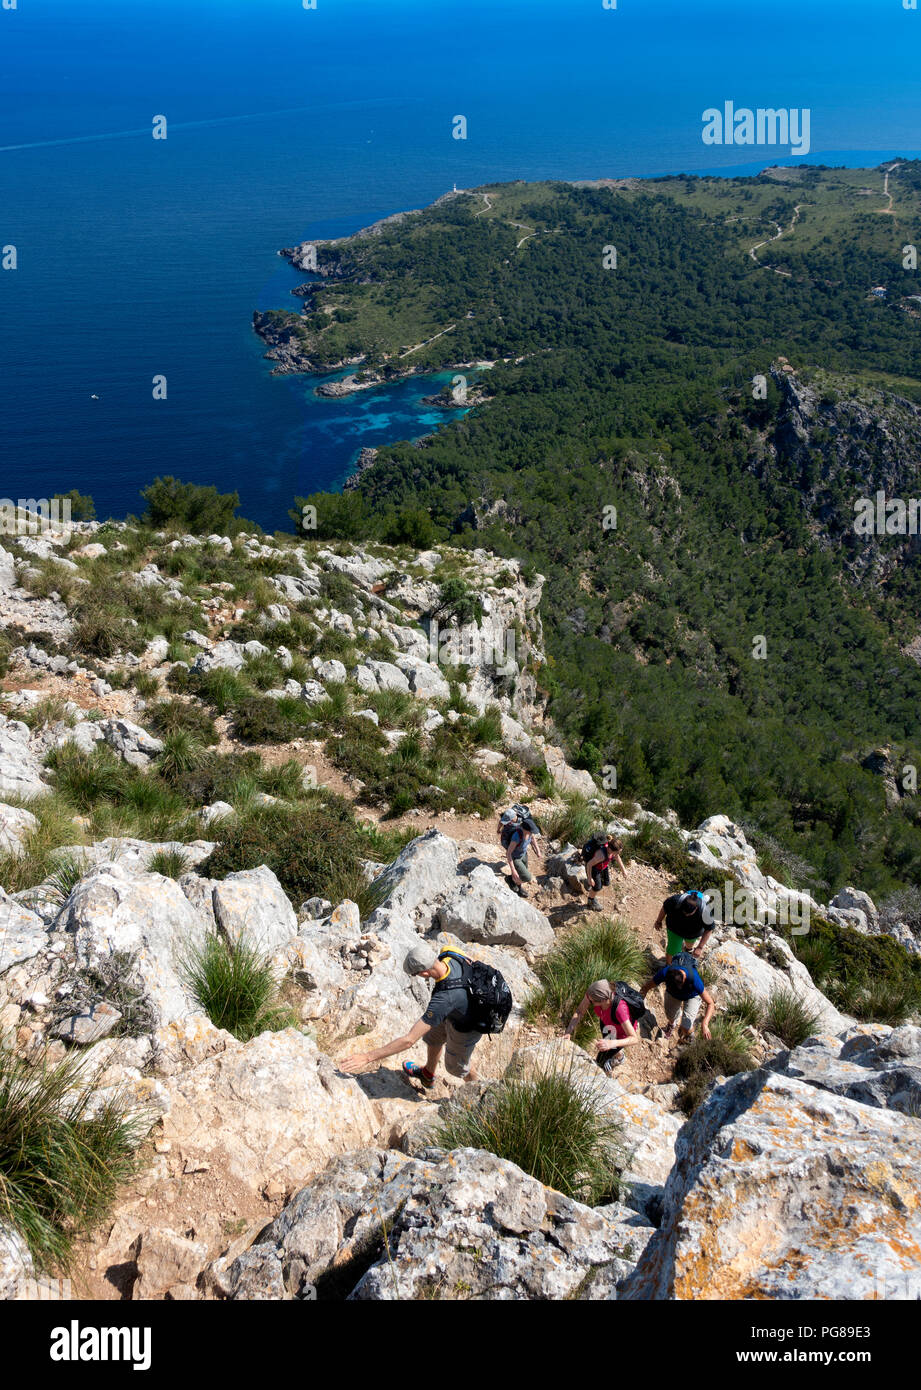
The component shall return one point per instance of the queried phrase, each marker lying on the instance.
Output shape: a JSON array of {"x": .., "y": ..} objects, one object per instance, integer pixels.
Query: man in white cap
[{"x": 443, "y": 1025}]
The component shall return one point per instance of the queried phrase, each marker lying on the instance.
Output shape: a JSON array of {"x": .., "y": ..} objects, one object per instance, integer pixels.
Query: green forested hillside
[{"x": 734, "y": 514}]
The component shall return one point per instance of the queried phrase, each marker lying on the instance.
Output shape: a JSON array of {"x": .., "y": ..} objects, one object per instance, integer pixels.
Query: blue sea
[{"x": 139, "y": 257}]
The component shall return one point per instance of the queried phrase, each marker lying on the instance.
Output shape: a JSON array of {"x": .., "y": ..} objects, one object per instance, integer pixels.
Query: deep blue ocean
[{"x": 139, "y": 257}]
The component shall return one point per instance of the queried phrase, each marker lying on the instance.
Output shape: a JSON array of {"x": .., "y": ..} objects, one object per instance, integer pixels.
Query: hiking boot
[
  {"x": 595, "y": 905},
  {"x": 413, "y": 1072}
]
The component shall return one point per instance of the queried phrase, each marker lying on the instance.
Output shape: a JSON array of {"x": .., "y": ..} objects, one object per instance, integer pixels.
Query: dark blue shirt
[
  {"x": 519, "y": 840},
  {"x": 693, "y": 984}
]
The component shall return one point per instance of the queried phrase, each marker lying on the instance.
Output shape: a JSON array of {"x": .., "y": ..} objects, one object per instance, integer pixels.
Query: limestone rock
[
  {"x": 22, "y": 933},
  {"x": 15, "y": 825},
  {"x": 419, "y": 878},
  {"x": 871, "y": 1064},
  {"x": 146, "y": 917},
  {"x": 425, "y": 680},
  {"x": 274, "y": 1109},
  {"x": 518, "y": 742},
  {"x": 460, "y": 1225},
  {"x": 130, "y": 741},
  {"x": 568, "y": 779},
  {"x": 853, "y": 900},
  {"x": 89, "y": 1027},
  {"x": 252, "y": 905},
  {"x": 20, "y": 769},
  {"x": 386, "y": 675},
  {"x": 15, "y": 1263},
  {"x": 163, "y": 1259},
  {"x": 227, "y": 656},
  {"x": 782, "y": 1190},
  {"x": 331, "y": 671},
  {"x": 483, "y": 908},
  {"x": 739, "y": 969}
]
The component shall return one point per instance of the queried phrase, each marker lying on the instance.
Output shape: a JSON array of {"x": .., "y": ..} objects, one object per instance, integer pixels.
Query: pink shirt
[{"x": 615, "y": 1026}]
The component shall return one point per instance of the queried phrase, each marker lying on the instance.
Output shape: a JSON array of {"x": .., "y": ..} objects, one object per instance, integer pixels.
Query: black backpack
[
  {"x": 631, "y": 997},
  {"x": 489, "y": 997},
  {"x": 590, "y": 849},
  {"x": 684, "y": 961}
]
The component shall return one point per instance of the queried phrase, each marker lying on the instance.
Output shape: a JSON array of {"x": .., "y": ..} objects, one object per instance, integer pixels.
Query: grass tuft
[
  {"x": 552, "y": 1126},
  {"x": 789, "y": 1017},
  {"x": 235, "y": 984},
  {"x": 61, "y": 1162}
]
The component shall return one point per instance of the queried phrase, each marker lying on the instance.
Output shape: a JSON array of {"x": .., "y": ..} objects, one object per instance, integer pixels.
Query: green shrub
[
  {"x": 221, "y": 688},
  {"x": 786, "y": 1015},
  {"x": 457, "y": 602},
  {"x": 38, "y": 856},
  {"x": 260, "y": 720},
  {"x": 283, "y": 779},
  {"x": 82, "y": 506},
  {"x": 60, "y": 1170},
  {"x": 395, "y": 708},
  {"x": 486, "y": 730},
  {"x": 337, "y": 590},
  {"x": 263, "y": 671},
  {"x": 190, "y": 507},
  {"x": 339, "y": 516},
  {"x": 218, "y": 775},
  {"x": 314, "y": 850},
  {"x": 235, "y": 985},
  {"x": 334, "y": 710},
  {"x": 879, "y": 1001},
  {"x": 98, "y": 631},
  {"x": 551, "y": 1126},
  {"x": 861, "y": 973},
  {"x": 66, "y": 874},
  {"x": 661, "y": 848},
  {"x": 602, "y": 950},
  {"x": 819, "y": 956},
  {"x": 726, "y": 1053},
  {"x": 50, "y": 710}
]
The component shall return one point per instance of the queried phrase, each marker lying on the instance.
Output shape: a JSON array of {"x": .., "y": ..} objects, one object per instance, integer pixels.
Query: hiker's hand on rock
[
  {"x": 355, "y": 1062},
  {"x": 706, "y": 1031}
]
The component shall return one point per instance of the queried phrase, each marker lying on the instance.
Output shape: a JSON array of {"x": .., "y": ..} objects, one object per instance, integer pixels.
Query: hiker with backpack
[
  {"x": 470, "y": 999},
  {"x": 685, "y": 991},
  {"x": 619, "y": 1008},
  {"x": 688, "y": 922},
  {"x": 518, "y": 832},
  {"x": 598, "y": 854}
]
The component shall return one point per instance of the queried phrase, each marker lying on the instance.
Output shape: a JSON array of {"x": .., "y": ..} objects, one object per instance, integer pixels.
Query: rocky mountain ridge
[{"x": 269, "y": 1173}]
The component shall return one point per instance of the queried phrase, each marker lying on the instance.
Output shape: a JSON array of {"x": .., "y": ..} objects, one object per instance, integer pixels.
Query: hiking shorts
[
  {"x": 521, "y": 868},
  {"x": 601, "y": 878},
  {"x": 682, "y": 1011},
  {"x": 675, "y": 944},
  {"x": 458, "y": 1046}
]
